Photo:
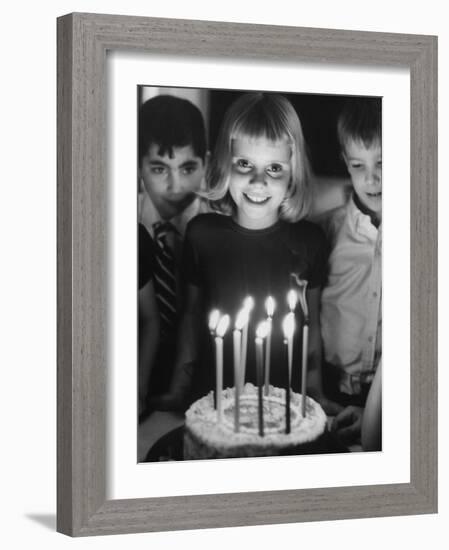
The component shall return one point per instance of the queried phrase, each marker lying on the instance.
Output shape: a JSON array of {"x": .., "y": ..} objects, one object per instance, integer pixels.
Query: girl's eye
[
  {"x": 243, "y": 165},
  {"x": 356, "y": 166},
  {"x": 274, "y": 169}
]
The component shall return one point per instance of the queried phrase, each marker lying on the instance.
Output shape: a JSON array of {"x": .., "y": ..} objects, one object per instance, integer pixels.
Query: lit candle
[
  {"x": 248, "y": 305},
  {"x": 292, "y": 299},
  {"x": 261, "y": 333},
  {"x": 269, "y": 306},
  {"x": 221, "y": 329},
  {"x": 214, "y": 317},
  {"x": 287, "y": 391},
  {"x": 305, "y": 342},
  {"x": 302, "y": 285},
  {"x": 288, "y": 327},
  {"x": 242, "y": 319}
]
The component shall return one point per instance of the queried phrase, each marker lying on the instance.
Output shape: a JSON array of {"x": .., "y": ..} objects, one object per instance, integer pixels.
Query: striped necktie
[{"x": 164, "y": 278}]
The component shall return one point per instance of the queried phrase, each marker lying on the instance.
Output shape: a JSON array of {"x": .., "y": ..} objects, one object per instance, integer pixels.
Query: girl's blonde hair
[{"x": 257, "y": 115}]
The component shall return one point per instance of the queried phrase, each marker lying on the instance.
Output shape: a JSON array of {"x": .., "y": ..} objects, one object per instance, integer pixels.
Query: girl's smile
[
  {"x": 256, "y": 199},
  {"x": 260, "y": 176}
]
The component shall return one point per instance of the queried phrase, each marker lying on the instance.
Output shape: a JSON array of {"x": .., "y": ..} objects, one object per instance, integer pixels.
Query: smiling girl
[{"x": 256, "y": 245}]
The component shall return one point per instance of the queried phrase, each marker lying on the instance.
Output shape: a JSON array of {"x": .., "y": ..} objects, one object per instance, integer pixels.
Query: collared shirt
[
  {"x": 148, "y": 215},
  {"x": 351, "y": 309}
]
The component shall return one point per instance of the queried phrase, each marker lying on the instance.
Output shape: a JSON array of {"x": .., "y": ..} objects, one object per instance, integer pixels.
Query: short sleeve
[
  {"x": 318, "y": 258},
  {"x": 309, "y": 253}
]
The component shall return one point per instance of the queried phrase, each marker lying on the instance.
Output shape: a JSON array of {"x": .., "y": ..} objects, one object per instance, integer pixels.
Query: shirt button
[
  {"x": 374, "y": 294},
  {"x": 370, "y": 339}
]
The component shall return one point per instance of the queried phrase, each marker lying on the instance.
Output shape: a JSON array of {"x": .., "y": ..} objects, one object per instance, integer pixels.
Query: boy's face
[
  {"x": 365, "y": 168},
  {"x": 171, "y": 182}
]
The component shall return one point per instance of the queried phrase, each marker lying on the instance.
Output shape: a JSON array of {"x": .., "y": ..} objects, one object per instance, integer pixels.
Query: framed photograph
[{"x": 128, "y": 458}]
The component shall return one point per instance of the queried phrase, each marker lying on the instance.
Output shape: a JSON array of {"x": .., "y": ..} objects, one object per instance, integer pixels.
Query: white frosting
[{"x": 201, "y": 420}]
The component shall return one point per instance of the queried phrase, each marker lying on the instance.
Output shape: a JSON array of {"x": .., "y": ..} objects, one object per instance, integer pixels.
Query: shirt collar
[
  {"x": 149, "y": 215},
  {"x": 364, "y": 210},
  {"x": 360, "y": 222}
]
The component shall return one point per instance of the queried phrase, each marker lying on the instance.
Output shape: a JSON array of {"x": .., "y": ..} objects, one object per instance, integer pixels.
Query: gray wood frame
[{"x": 83, "y": 40}]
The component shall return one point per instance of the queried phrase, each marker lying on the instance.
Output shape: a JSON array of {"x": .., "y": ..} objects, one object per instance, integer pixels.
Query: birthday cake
[{"x": 206, "y": 437}]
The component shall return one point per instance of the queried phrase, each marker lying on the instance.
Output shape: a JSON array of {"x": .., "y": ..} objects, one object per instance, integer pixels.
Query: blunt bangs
[{"x": 261, "y": 121}]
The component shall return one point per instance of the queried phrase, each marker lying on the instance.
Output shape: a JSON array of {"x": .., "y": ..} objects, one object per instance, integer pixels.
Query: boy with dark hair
[
  {"x": 172, "y": 162},
  {"x": 351, "y": 312}
]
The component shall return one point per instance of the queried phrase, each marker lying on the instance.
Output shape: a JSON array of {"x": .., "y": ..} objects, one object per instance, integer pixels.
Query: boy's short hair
[
  {"x": 360, "y": 120},
  {"x": 170, "y": 121}
]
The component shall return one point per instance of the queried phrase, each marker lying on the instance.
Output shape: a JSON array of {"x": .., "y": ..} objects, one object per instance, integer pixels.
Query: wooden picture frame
[{"x": 83, "y": 41}]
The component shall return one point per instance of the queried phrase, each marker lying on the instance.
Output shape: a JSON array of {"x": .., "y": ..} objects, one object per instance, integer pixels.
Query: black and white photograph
[
  {"x": 259, "y": 273},
  {"x": 207, "y": 342}
]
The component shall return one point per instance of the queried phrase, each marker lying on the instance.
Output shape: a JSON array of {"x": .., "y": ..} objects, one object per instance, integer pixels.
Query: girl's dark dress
[{"x": 228, "y": 262}]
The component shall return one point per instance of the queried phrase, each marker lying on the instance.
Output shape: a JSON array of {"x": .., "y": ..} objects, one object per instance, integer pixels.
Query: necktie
[{"x": 164, "y": 278}]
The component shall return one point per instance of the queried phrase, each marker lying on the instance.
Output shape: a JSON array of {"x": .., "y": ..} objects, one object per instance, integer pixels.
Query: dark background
[{"x": 318, "y": 114}]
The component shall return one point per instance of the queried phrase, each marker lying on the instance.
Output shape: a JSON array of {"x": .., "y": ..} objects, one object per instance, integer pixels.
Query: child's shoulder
[
  {"x": 209, "y": 221},
  {"x": 304, "y": 236},
  {"x": 331, "y": 220},
  {"x": 307, "y": 229}
]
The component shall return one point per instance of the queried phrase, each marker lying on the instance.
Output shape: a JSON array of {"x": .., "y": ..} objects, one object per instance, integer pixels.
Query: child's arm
[
  {"x": 365, "y": 422},
  {"x": 186, "y": 354},
  {"x": 148, "y": 339},
  {"x": 187, "y": 343},
  {"x": 372, "y": 416},
  {"x": 314, "y": 371}
]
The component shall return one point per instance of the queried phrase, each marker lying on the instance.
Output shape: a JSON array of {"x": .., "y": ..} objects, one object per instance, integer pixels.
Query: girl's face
[{"x": 260, "y": 175}]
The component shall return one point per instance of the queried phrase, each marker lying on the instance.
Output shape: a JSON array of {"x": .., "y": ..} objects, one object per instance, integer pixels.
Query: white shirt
[{"x": 351, "y": 309}]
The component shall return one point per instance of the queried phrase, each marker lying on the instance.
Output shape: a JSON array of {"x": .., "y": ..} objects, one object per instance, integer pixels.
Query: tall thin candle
[
  {"x": 214, "y": 317},
  {"x": 302, "y": 285},
  {"x": 287, "y": 391},
  {"x": 305, "y": 345},
  {"x": 220, "y": 332},
  {"x": 288, "y": 327},
  {"x": 261, "y": 333},
  {"x": 248, "y": 305},
  {"x": 242, "y": 319},
  {"x": 269, "y": 306}
]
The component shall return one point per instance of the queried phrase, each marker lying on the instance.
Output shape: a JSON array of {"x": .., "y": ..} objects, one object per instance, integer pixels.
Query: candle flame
[
  {"x": 262, "y": 330},
  {"x": 248, "y": 303},
  {"x": 214, "y": 317},
  {"x": 269, "y": 306},
  {"x": 288, "y": 325},
  {"x": 302, "y": 285},
  {"x": 222, "y": 326},
  {"x": 242, "y": 319},
  {"x": 292, "y": 298},
  {"x": 302, "y": 297}
]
